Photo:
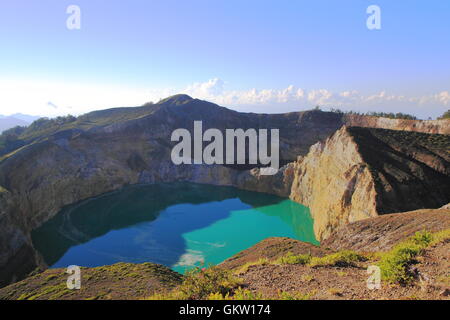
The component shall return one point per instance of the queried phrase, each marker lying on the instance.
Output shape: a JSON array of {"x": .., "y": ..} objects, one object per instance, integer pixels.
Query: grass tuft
[
  {"x": 290, "y": 258},
  {"x": 295, "y": 295},
  {"x": 238, "y": 294},
  {"x": 244, "y": 268},
  {"x": 199, "y": 284},
  {"x": 395, "y": 264},
  {"x": 345, "y": 258}
]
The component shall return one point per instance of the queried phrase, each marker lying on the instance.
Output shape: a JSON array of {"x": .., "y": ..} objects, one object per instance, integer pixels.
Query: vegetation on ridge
[
  {"x": 389, "y": 115},
  {"x": 200, "y": 283},
  {"x": 395, "y": 264},
  {"x": 215, "y": 283},
  {"x": 342, "y": 258},
  {"x": 446, "y": 115},
  {"x": 291, "y": 258}
]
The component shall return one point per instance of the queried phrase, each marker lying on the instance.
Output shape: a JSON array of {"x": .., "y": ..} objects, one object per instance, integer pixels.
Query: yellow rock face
[
  {"x": 360, "y": 173},
  {"x": 335, "y": 183}
]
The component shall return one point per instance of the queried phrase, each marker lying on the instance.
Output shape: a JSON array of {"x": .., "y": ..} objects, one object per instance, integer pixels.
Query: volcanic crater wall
[
  {"x": 107, "y": 150},
  {"x": 360, "y": 173}
]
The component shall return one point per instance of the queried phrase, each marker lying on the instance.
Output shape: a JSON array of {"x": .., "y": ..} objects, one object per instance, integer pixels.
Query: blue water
[{"x": 179, "y": 225}]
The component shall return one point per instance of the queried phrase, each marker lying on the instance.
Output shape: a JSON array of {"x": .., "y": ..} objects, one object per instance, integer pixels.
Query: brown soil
[
  {"x": 381, "y": 233},
  {"x": 272, "y": 248},
  {"x": 335, "y": 283}
]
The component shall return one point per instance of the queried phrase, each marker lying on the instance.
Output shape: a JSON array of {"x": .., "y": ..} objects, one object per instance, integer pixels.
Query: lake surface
[{"x": 180, "y": 225}]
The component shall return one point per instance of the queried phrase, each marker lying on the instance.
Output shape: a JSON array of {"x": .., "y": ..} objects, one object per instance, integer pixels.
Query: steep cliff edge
[
  {"x": 335, "y": 183},
  {"x": 360, "y": 173}
]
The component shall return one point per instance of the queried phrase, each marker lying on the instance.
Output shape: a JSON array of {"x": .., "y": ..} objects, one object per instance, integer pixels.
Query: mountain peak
[{"x": 176, "y": 99}]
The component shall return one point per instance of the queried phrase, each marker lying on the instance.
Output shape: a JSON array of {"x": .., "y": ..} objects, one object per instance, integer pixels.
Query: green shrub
[
  {"x": 440, "y": 236},
  {"x": 422, "y": 238},
  {"x": 290, "y": 258},
  {"x": 446, "y": 115},
  {"x": 238, "y": 294},
  {"x": 218, "y": 296},
  {"x": 245, "y": 294},
  {"x": 395, "y": 263},
  {"x": 199, "y": 284},
  {"x": 343, "y": 258},
  {"x": 244, "y": 268},
  {"x": 171, "y": 295}
]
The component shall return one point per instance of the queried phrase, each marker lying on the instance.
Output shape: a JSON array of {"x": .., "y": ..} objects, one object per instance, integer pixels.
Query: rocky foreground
[
  {"x": 261, "y": 273},
  {"x": 336, "y": 164}
]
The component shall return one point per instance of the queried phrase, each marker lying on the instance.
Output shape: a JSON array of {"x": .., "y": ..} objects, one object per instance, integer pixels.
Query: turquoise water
[{"x": 179, "y": 225}]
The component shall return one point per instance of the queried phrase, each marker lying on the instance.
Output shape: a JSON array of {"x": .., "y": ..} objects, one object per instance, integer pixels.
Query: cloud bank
[
  {"x": 52, "y": 99},
  {"x": 292, "y": 98}
]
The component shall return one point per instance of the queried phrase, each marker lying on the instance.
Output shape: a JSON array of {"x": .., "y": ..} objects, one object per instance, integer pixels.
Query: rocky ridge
[{"x": 105, "y": 150}]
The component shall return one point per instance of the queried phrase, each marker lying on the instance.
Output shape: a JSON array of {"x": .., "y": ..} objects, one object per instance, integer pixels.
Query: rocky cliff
[
  {"x": 360, "y": 173},
  {"x": 335, "y": 183},
  {"x": 56, "y": 163}
]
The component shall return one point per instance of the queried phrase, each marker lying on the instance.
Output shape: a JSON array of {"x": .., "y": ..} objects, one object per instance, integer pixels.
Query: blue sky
[{"x": 260, "y": 56}]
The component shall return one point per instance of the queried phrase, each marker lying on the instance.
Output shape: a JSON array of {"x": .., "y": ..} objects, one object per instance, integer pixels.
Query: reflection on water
[{"x": 178, "y": 224}]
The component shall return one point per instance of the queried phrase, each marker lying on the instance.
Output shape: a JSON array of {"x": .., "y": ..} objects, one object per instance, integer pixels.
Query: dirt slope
[
  {"x": 342, "y": 283},
  {"x": 381, "y": 233}
]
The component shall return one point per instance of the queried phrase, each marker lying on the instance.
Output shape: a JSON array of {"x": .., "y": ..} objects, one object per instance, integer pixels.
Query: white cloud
[
  {"x": 211, "y": 88},
  {"x": 292, "y": 98},
  {"x": 51, "y": 98},
  {"x": 444, "y": 97}
]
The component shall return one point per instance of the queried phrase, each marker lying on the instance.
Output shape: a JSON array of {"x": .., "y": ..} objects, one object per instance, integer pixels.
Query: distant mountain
[
  {"x": 11, "y": 122},
  {"x": 25, "y": 117},
  {"x": 18, "y": 119}
]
